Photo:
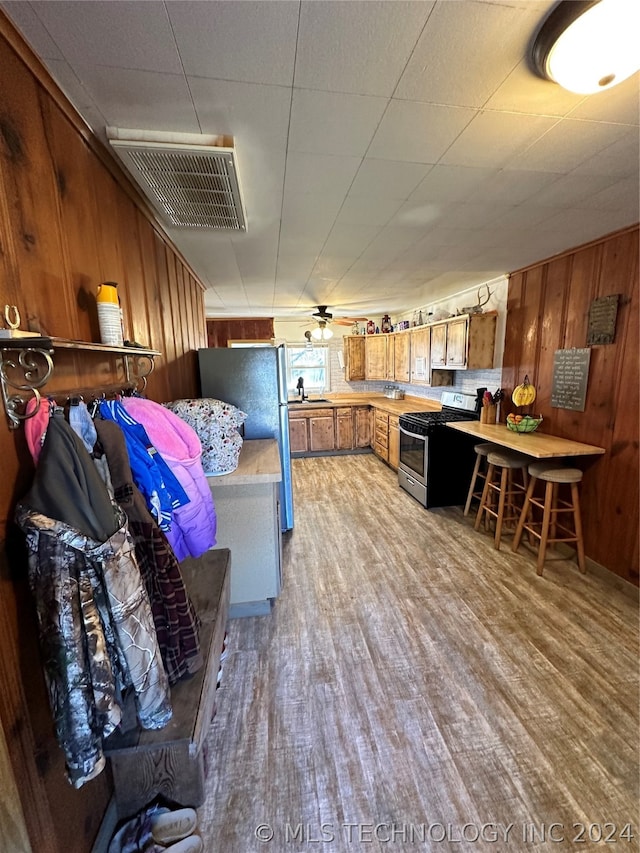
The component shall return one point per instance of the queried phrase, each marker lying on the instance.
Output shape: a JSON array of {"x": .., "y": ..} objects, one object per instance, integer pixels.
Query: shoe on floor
[{"x": 169, "y": 826}]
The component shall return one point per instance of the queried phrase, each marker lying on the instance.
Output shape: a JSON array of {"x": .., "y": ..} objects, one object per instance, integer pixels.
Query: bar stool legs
[
  {"x": 482, "y": 451},
  {"x": 550, "y": 529},
  {"x": 509, "y": 493}
]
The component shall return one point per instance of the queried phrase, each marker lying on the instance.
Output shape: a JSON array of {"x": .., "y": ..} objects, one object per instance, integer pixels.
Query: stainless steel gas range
[{"x": 436, "y": 462}]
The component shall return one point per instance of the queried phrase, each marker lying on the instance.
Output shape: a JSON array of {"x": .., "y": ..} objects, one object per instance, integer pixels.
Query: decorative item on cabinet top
[{"x": 26, "y": 365}]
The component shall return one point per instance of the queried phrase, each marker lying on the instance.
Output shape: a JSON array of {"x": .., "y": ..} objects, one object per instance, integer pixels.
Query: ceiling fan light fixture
[
  {"x": 322, "y": 333},
  {"x": 587, "y": 46}
]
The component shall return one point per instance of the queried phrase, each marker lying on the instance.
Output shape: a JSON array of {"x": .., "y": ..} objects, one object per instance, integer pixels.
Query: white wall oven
[{"x": 436, "y": 462}]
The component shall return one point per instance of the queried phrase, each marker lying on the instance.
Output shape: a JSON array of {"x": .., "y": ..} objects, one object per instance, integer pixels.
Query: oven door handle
[{"x": 412, "y": 434}]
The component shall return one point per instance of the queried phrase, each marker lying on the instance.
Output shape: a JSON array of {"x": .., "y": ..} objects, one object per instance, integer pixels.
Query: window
[{"x": 312, "y": 364}]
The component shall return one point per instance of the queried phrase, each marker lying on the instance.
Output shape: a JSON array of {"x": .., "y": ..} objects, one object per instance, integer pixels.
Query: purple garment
[{"x": 193, "y": 530}]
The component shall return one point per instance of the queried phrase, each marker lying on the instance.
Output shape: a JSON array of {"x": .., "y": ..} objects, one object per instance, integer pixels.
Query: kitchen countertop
[
  {"x": 259, "y": 462},
  {"x": 378, "y": 401},
  {"x": 535, "y": 444}
]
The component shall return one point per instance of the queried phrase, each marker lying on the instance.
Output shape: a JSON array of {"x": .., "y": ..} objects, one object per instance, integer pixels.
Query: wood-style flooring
[{"x": 414, "y": 688}]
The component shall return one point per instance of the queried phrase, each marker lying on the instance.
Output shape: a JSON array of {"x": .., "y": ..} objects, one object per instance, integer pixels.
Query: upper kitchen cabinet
[
  {"x": 420, "y": 343},
  {"x": 375, "y": 354},
  {"x": 464, "y": 343},
  {"x": 353, "y": 350},
  {"x": 401, "y": 356}
]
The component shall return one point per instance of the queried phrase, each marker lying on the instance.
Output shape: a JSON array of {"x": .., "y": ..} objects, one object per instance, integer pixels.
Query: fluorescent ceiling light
[{"x": 587, "y": 46}]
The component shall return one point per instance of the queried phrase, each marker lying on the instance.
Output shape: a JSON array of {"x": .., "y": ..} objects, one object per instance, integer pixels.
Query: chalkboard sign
[{"x": 570, "y": 374}]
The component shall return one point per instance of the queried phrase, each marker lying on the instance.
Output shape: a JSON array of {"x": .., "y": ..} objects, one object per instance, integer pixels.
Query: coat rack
[{"x": 26, "y": 365}]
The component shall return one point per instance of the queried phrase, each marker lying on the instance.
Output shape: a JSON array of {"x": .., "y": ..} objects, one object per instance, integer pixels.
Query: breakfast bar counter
[{"x": 534, "y": 444}]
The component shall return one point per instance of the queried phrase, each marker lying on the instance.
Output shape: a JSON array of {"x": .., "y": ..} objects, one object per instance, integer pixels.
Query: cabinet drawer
[{"x": 382, "y": 437}]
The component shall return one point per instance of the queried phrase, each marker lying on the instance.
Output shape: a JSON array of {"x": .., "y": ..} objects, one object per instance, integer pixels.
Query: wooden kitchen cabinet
[
  {"x": 391, "y": 356},
  {"x": 456, "y": 347},
  {"x": 394, "y": 441},
  {"x": 353, "y": 347},
  {"x": 322, "y": 434},
  {"x": 402, "y": 357},
  {"x": 344, "y": 428},
  {"x": 439, "y": 345},
  {"x": 381, "y": 435},
  {"x": 375, "y": 354},
  {"x": 298, "y": 432},
  {"x": 420, "y": 343},
  {"x": 362, "y": 426}
]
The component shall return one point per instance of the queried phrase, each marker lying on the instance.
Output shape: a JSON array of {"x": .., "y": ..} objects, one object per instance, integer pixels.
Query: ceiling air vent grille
[{"x": 190, "y": 185}]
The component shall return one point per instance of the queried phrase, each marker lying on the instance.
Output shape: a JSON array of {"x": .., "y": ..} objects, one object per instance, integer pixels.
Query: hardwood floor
[{"x": 413, "y": 686}]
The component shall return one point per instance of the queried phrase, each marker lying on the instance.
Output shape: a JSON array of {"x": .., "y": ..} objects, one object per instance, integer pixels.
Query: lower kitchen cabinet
[
  {"x": 361, "y": 426},
  {"x": 344, "y": 428},
  {"x": 394, "y": 441},
  {"x": 322, "y": 432},
  {"x": 298, "y": 433},
  {"x": 381, "y": 435}
]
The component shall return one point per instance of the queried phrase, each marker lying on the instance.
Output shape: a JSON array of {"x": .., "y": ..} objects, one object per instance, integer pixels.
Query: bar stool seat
[
  {"x": 479, "y": 471},
  {"x": 510, "y": 494},
  {"x": 549, "y": 529}
]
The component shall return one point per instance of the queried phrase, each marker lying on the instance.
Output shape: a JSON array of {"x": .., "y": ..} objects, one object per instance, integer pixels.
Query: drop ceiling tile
[
  {"x": 620, "y": 159},
  {"x": 320, "y": 174},
  {"x": 568, "y": 144},
  {"x": 492, "y": 139},
  {"x": 570, "y": 190},
  {"x": 418, "y": 133},
  {"x": 356, "y": 47},
  {"x": 137, "y": 37},
  {"x": 332, "y": 123},
  {"x": 252, "y": 42},
  {"x": 622, "y": 195},
  {"x": 387, "y": 179},
  {"x": 361, "y": 210},
  {"x": 66, "y": 78},
  {"x": 511, "y": 187},
  {"x": 452, "y": 183},
  {"x": 520, "y": 216},
  {"x": 255, "y": 115},
  {"x": 451, "y": 63},
  {"x": 139, "y": 99},
  {"x": 524, "y": 92},
  {"x": 349, "y": 240},
  {"x": 27, "y": 21}
]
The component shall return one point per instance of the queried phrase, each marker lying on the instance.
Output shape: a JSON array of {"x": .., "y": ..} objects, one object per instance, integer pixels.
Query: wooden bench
[{"x": 170, "y": 761}]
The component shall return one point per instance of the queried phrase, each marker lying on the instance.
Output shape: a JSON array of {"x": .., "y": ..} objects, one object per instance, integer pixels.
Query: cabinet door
[
  {"x": 322, "y": 434},
  {"x": 344, "y": 429},
  {"x": 457, "y": 343},
  {"x": 481, "y": 339},
  {"x": 402, "y": 350},
  {"x": 394, "y": 442},
  {"x": 362, "y": 426},
  {"x": 420, "y": 356},
  {"x": 375, "y": 353},
  {"x": 391, "y": 356},
  {"x": 439, "y": 346},
  {"x": 353, "y": 348},
  {"x": 298, "y": 437}
]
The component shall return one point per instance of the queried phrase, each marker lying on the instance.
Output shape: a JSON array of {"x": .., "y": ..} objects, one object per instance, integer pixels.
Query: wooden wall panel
[
  {"x": 548, "y": 309},
  {"x": 239, "y": 329},
  {"x": 69, "y": 219}
]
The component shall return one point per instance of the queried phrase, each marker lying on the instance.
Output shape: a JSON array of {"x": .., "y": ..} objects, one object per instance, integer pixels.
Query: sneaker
[
  {"x": 168, "y": 826},
  {"x": 192, "y": 844}
]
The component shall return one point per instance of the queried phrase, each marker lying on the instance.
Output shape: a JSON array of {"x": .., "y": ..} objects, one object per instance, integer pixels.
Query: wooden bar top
[
  {"x": 259, "y": 463},
  {"x": 535, "y": 444}
]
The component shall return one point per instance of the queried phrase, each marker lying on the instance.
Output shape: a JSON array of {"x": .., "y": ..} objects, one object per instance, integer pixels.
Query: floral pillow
[{"x": 216, "y": 424}]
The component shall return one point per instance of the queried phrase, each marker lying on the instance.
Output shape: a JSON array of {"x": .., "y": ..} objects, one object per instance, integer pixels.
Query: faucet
[{"x": 300, "y": 387}]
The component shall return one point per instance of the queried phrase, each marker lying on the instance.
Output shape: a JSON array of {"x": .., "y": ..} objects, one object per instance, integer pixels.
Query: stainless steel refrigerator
[{"x": 255, "y": 380}]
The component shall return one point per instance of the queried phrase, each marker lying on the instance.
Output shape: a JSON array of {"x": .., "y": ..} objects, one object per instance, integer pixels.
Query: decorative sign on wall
[
  {"x": 570, "y": 374},
  {"x": 602, "y": 320}
]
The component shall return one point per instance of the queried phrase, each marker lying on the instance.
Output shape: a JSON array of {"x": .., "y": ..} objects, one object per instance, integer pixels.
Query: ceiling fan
[{"x": 325, "y": 317}]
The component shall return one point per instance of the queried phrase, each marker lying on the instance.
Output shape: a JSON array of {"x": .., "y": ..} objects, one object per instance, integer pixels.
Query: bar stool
[
  {"x": 510, "y": 494},
  {"x": 479, "y": 470},
  {"x": 549, "y": 529}
]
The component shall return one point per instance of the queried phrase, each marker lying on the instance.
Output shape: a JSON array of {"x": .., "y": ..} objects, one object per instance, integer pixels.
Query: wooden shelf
[{"x": 26, "y": 365}]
